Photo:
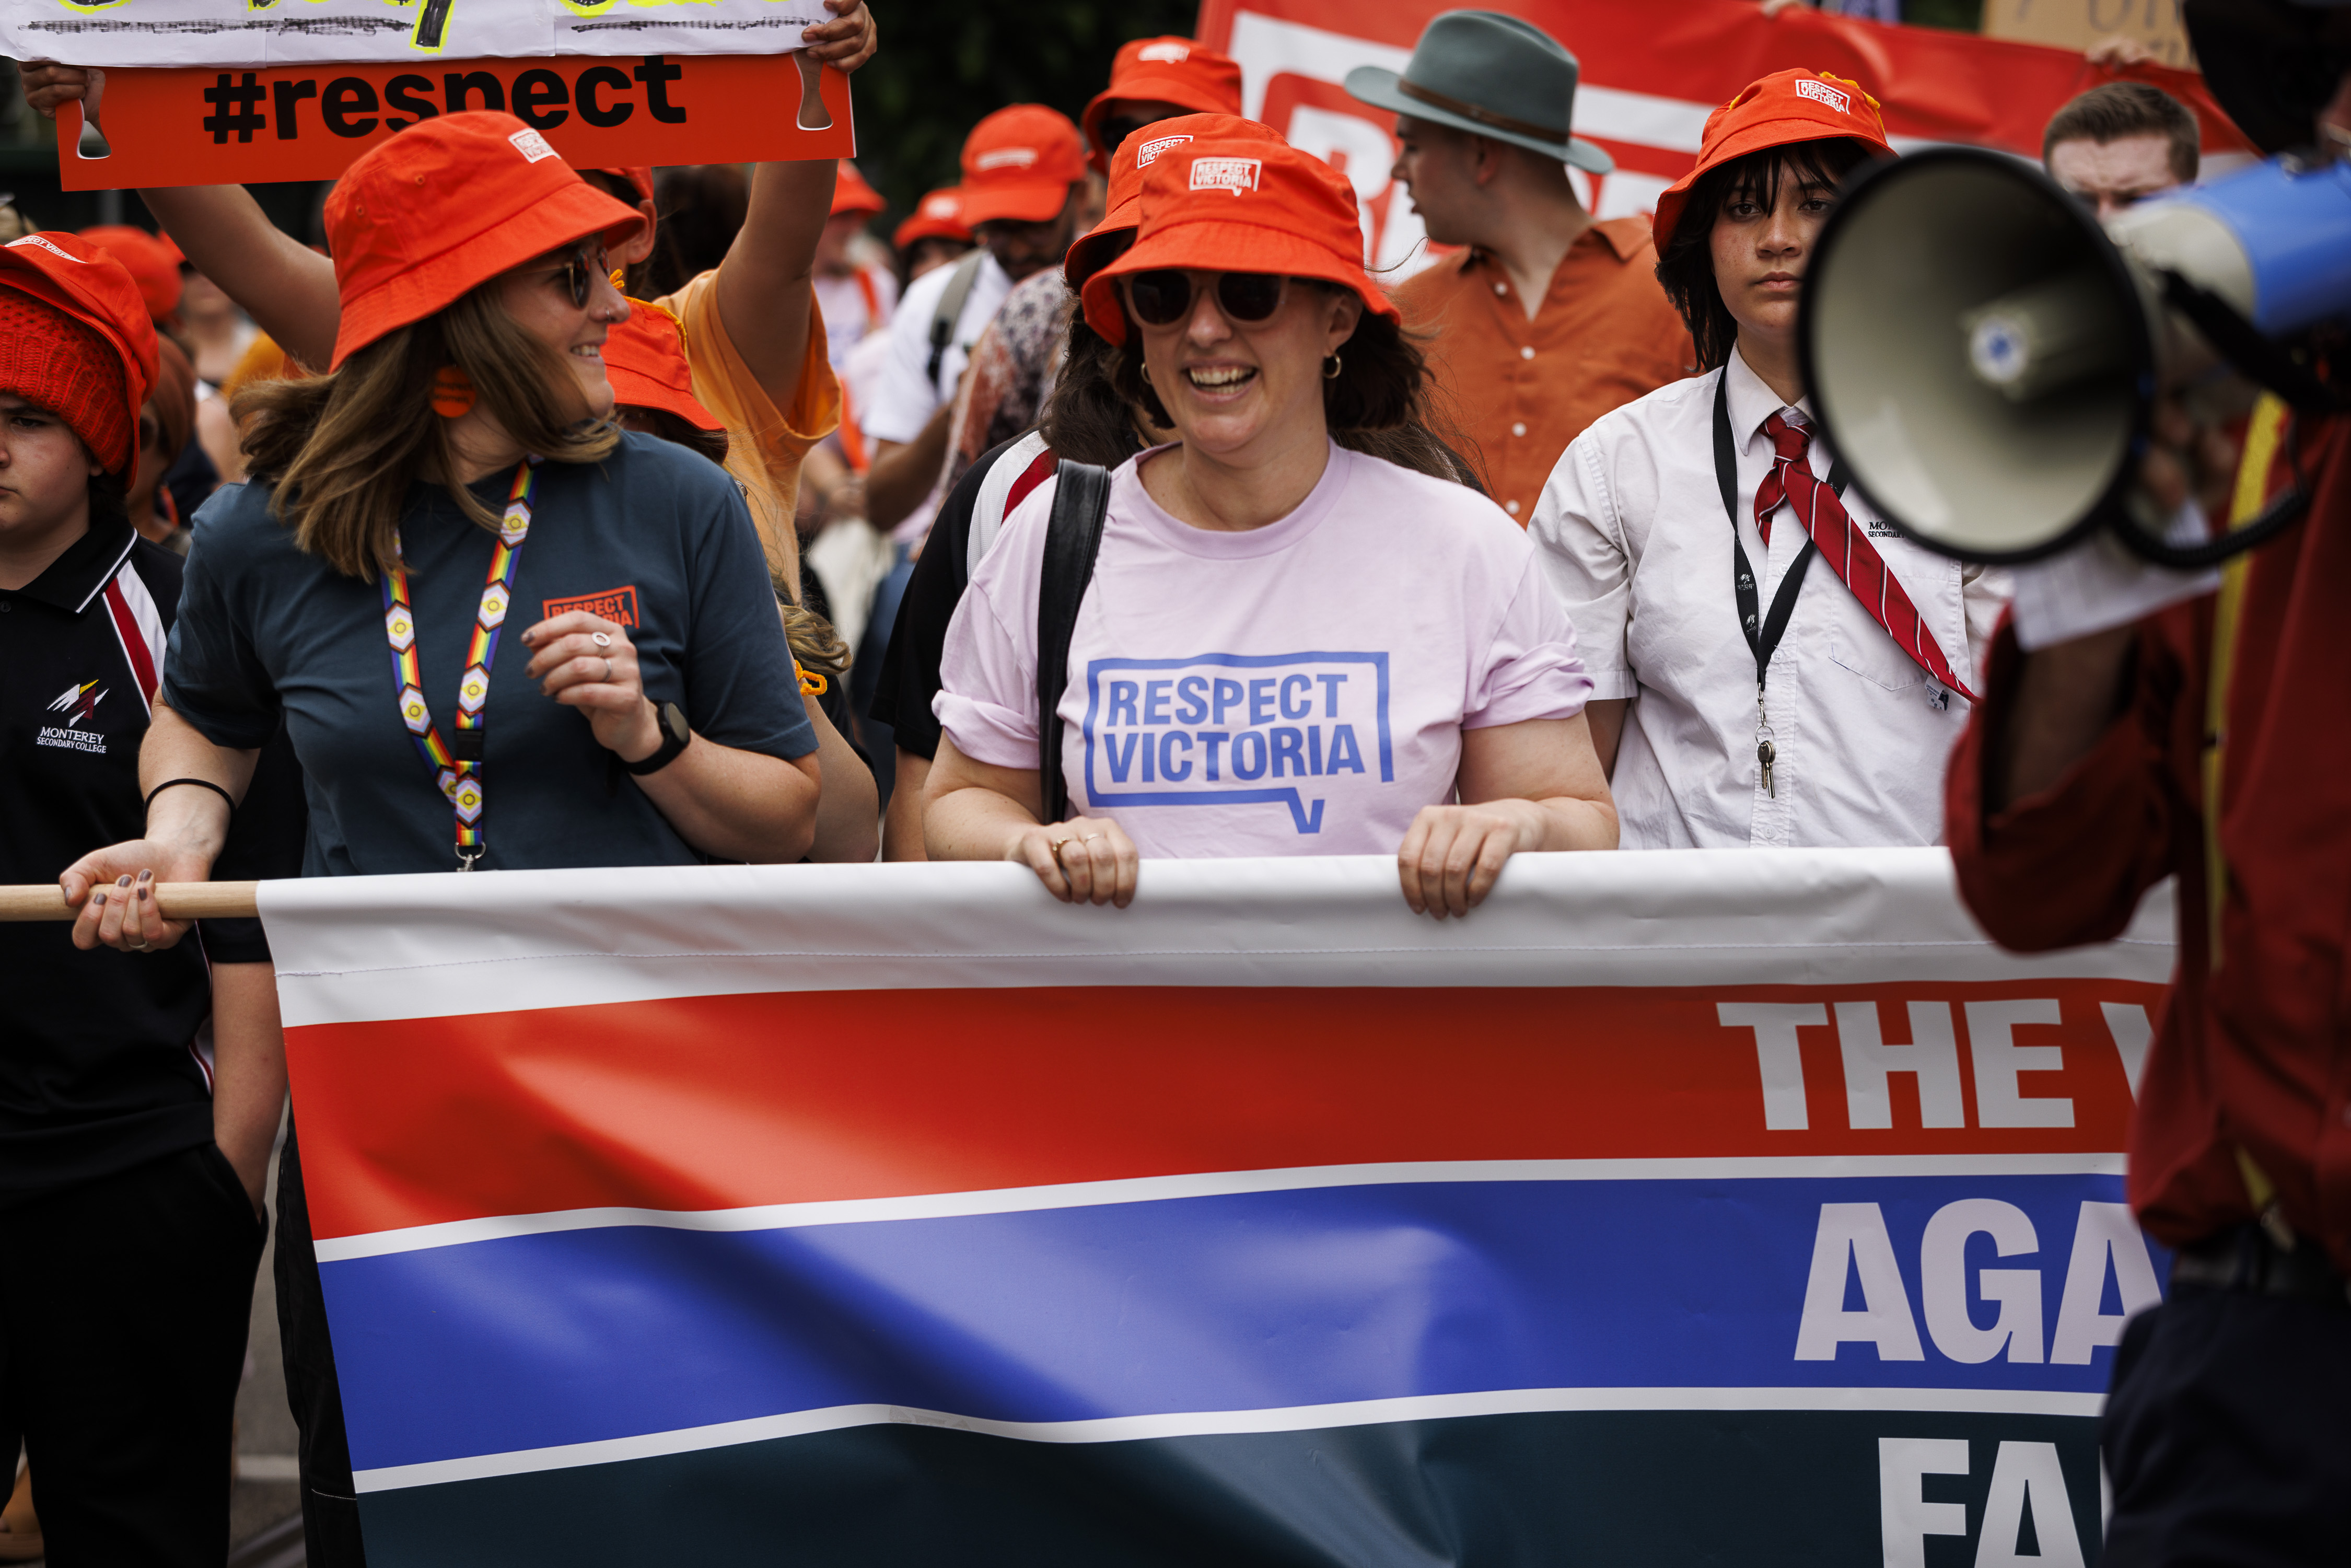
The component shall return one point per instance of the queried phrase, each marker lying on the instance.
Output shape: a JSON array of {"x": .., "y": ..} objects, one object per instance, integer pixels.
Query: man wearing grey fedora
[{"x": 1550, "y": 319}]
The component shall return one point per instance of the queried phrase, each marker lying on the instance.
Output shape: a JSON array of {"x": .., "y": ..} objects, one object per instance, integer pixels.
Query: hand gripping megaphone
[{"x": 1984, "y": 358}]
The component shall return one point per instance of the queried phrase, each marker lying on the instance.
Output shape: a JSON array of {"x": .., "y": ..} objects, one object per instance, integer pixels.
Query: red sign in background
[{"x": 1651, "y": 74}]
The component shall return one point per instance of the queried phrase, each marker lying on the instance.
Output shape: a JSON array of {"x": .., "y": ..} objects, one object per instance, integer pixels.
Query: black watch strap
[{"x": 674, "y": 735}]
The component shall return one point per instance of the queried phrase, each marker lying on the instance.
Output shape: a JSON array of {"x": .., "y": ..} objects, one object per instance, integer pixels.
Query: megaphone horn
[{"x": 1984, "y": 356}]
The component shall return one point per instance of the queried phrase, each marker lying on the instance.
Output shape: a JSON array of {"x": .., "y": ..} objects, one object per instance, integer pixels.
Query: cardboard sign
[
  {"x": 212, "y": 126},
  {"x": 2078, "y": 24},
  {"x": 172, "y": 33}
]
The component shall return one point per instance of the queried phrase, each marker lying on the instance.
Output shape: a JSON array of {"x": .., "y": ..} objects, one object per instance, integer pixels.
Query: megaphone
[{"x": 1984, "y": 358}]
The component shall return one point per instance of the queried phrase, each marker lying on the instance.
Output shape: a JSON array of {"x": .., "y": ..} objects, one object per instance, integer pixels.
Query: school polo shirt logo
[
  {"x": 78, "y": 705},
  {"x": 1230, "y": 728}
]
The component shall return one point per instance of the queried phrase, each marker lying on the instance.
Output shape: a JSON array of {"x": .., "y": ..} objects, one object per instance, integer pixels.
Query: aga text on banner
[
  {"x": 1651, "y": 74},
  {"x": 1671, "y": 1208}
]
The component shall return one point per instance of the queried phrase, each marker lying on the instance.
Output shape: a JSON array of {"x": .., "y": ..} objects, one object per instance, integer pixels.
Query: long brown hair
[{"x": 340, "y": 450}]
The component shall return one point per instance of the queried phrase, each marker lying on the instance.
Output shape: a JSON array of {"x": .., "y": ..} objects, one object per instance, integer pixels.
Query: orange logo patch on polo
[{"x": 617, "y": 604}]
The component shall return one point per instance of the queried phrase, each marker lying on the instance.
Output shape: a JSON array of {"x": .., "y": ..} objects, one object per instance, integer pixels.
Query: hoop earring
[
  {"x": 1331, "y": 368},
  {"x": 453, "y": 392}
]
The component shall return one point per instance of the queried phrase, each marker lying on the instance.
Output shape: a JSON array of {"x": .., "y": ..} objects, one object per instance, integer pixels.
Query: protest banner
[
  {"x": 1672, "y": 1207},
  {"x": 235, "y": 92},
  {"x": 1651, "y": 75}
]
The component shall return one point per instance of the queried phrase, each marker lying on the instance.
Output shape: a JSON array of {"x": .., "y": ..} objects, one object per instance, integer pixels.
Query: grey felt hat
[{"x": 1489, "y": 75}]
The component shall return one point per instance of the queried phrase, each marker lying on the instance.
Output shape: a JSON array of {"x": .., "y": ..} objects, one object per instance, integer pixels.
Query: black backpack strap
[
  {"x": 950, "y": 312},
  {"x": 1080, "y": 501}
]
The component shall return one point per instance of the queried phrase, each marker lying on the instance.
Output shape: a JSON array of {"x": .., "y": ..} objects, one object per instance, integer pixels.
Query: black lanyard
[{"x": 1763, "y": 632}]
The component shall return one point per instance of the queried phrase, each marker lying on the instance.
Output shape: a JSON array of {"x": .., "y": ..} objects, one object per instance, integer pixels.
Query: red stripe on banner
[{"x": 729, "y": 1102}]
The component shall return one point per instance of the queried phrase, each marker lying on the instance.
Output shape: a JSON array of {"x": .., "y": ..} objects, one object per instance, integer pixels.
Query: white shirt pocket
[{"x": 1873, "y": 656}]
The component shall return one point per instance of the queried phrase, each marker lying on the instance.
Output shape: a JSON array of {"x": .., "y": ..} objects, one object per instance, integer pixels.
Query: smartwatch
[{"x": 674, "y": 735}]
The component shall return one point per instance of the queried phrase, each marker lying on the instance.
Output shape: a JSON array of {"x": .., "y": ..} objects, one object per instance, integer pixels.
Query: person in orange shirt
[{"x": 1552, "y": 318}]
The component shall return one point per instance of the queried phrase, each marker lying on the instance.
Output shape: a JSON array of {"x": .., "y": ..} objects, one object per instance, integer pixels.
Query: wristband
[{"x": 199, "y": 783}]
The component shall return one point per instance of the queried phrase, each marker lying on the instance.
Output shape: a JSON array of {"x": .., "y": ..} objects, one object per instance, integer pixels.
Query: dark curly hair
[{"x": 1686, "y": 257}]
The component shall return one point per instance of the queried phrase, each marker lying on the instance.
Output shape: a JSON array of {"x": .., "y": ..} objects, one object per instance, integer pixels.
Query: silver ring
[
  {"x": 600, "y": 639},
  {"x": 608, "y": 672},
  {"x": 137, "y": 947},
  {"x": 1090, "y": 838}
]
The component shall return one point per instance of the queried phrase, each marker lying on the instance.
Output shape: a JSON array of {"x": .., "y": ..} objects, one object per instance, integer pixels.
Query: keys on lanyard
[{"x": 1764, "y": 750}]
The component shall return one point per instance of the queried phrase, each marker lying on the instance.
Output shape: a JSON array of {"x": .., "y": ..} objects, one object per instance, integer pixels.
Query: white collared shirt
[{"x": 1634, "y": 541}]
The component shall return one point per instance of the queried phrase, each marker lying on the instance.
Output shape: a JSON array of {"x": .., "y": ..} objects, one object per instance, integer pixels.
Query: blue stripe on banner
[{"x": 1244, "y": 1302}]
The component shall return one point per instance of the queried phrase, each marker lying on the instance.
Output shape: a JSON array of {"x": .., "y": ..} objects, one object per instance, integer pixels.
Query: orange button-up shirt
[{"x": 1522, "y": 389}]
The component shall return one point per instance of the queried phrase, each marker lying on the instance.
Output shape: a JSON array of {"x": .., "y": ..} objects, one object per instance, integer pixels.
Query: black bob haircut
[{"x": 1686, "y": 259}]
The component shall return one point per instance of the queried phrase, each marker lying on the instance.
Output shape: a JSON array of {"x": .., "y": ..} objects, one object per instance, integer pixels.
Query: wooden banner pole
[{"x": 178, "y": 900}]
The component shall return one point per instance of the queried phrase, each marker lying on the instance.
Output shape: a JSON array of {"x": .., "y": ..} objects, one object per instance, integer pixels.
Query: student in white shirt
[{"x": 1793, "y": 680}]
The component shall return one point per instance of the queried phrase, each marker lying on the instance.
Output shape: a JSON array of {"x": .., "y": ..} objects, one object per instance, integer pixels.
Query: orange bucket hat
[
  {"x": 75, "y": 339},
  {"x": 1163, "y": 70},
  {"x": 644, "y": 359},
  {"x": 446, "y": 205},
  {"x": 1094, "y": 249},
  {"x": 1020, "y": 163},
  {"x": 1237, "y": 205},
  {"x": 152, "y": 264},
  {"x": 1778, "y": 110}
]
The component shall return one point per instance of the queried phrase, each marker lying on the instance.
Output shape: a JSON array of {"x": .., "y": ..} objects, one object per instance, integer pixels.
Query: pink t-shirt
[{"x": 1297, "y": 689}]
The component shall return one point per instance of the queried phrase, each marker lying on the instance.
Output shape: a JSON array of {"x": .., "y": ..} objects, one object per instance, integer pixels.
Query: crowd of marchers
[{"x": 1106, "y": 509}]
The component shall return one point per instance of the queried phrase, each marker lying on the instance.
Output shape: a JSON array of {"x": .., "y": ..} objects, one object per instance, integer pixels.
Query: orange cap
[
  {"x": 83, "y": 283},
  {"x": 444, "y": 206},
  {"x": 644, "y": 359},
  {"x": 153, "y": 265},
  {"x": 1097, "y": 246},
  {"x": 1239, "y": 205},
  {"x": 1779, "y": 110},
  {"x": 1163, "y": 71},
  {"x": 851, "y": 193},
  {"x": 938, "y": 216},
  {"x": 1020, "y": 163}
]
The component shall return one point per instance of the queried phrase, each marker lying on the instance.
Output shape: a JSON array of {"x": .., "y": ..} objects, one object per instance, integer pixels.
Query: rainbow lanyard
[{"x": 458, "y": 767}]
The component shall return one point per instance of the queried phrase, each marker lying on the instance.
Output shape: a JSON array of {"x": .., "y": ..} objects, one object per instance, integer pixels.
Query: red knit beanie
[{"x": 51, "y": 360}]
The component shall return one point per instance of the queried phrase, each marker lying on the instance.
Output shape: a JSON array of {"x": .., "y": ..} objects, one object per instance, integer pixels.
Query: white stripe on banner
[
  {"x": 1214, "y": 1184},
  {"x": 1220, "y": 1423},
  {"x": 354, "y": 949}
]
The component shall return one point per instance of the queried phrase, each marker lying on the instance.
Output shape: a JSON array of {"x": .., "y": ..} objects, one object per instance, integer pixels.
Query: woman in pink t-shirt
[{"x": 1286, "y": 647}]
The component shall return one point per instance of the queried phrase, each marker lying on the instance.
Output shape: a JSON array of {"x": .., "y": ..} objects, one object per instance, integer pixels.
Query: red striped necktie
[{"x": 1845, "y": 548}]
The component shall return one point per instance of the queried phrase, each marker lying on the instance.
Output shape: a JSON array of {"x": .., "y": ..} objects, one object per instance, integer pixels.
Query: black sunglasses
[
  {"x": 1163, "y": 298},
  {"x": 579, "y": 274}
]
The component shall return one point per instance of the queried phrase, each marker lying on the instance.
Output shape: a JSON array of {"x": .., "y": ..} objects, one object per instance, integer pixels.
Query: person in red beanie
[
  {"x": 1153, "y": 79},
  {"x": 1449, "y": 735},
  {"x": 1775, "y": 666},
  {"x": 127, "y": 1179},
  {"x": 388, "y": 519}
]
